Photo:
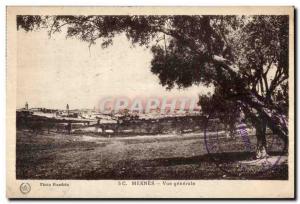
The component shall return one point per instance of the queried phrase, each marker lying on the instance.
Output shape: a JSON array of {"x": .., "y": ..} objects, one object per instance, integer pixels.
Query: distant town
[
  {"x": 121, "y": 122},
  {"x": 96, "y": 114}
]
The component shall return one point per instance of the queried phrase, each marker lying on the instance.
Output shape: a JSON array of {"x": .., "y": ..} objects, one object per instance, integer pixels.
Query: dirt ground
[{"x": 61, "y": 156}]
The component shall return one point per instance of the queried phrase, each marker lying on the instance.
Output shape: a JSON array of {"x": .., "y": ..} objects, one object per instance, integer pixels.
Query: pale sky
[{"x": 59, "y": 71}]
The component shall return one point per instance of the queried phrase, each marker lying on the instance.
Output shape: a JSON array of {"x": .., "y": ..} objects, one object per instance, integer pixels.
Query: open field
[{"x": 61, "y": 156}]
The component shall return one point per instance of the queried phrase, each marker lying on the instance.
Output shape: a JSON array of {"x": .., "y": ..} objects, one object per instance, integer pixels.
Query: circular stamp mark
[
  {"x": 25, "y": 188},
  {"x": 235, "y": 156}
]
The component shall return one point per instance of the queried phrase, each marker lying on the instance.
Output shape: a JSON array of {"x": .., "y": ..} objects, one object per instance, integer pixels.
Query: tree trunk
[
  {"x": 261, "y": 148},
  {"x": 274, "y": 120},
  {"x": 253, "y": 105},
  {"x": 277, "y": 122}
]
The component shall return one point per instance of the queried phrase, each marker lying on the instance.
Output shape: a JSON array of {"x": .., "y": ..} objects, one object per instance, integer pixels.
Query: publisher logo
[{"x": 25, "y": 188}]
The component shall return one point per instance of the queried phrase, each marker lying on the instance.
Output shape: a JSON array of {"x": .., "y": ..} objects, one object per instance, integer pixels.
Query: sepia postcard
[{"x": 150, "y": 102}]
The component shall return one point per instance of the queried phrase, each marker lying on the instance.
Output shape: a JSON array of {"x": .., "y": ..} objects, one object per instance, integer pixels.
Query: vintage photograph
[{"x": 153, "y": 97}]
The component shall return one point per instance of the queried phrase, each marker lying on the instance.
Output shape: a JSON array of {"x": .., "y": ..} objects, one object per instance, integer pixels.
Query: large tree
[{"x": 244, "y": 57}]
